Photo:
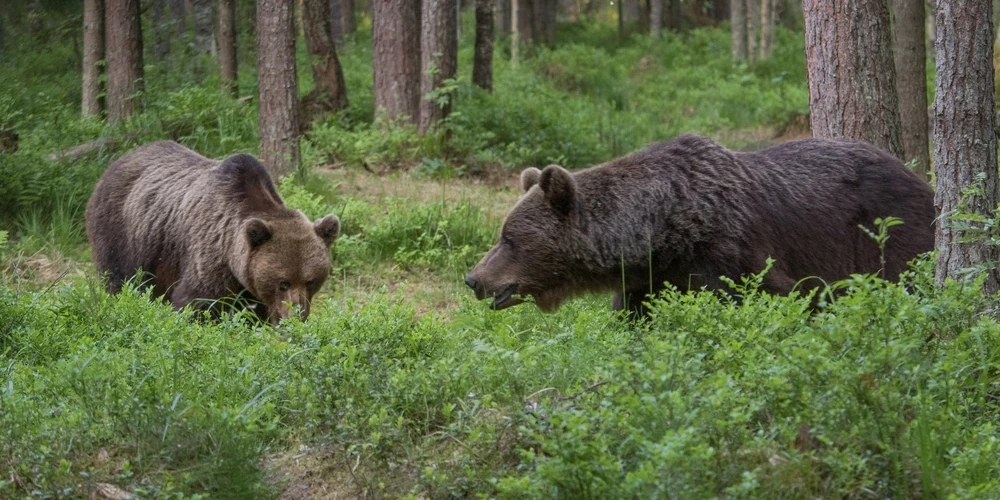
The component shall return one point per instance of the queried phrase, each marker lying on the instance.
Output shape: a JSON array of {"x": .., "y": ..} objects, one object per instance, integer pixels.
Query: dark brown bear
[
  {"x": 203, "y": 230},
  {"x": 688, "y": 211}
]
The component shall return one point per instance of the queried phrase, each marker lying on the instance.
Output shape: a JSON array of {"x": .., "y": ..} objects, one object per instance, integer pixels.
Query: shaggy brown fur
[
  {"x": 688, "y": 211},
  {"x": 206, "y": 229}
]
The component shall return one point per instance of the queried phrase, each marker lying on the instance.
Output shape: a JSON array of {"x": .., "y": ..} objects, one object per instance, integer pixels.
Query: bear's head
[
  {"x": 543, "y": 249},
  {"x": 288, "y": 261}
]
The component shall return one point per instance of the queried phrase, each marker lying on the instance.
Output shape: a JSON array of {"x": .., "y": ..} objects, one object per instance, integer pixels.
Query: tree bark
[
  {"x": 396, "y": 46},
  {"x": 93, "y": 54},
  {"x": 525, "y": 20},
  {"x": 738, "y": 23},
  {"x": 227, "y": 46},
  {"x": 545, "y": 21},
  {"x": 203, "y": 26},
  {"x": 482, "y": 64},
  {"x": 503, "y": 16},
  {"x": 911, "y": 82},
  {"x": 439, "y": 57},
  {"x": 161, "y": 25},
  {"x": 515, "y": 32},
  {"x": 123, "y": 43},
  {"x": 655, "y": 17},
  {"x": 852, "y": 82},
  {"x": 342, "y": 19},
  {"x": 965, "y": 142},
  {"x": 328, "y": 76},
  {"x": 766, "y": 28},
  {"x": 630, "y": 11},
  {"x": 753, "y": 28},
  {"x": 278, "y": 87}
]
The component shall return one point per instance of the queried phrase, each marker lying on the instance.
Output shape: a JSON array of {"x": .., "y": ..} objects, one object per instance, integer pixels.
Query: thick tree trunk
[
  {"x": 203, "y": 26},
  {"x": 93, "y": 55},
  {"x": 911, "y": 82},
  {"x": 965, "y": 142},
  {"x": 852, "y": 82},
  {"x": 396, "y": 41},
  {"x": 503, "y": 17},
  {"x": 738, "y": 23},
  {"x": 123, "y": 43},
  {"x": 227, "y": 46},
  {"x": 439, "y": 57},
  {"x": 482, "y": 64},
  {"x": 655, "y": 17},
  {"x": 330, "y": 92},
  {"x": 278, "y": 87}
]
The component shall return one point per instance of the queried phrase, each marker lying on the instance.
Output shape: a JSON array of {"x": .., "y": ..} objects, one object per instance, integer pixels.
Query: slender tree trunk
[
  {"x": 674, "y": 12},
  {"x": 753, "y": 27},
  {"x": 93, "y": 55},
  {"x": 621, "y": 20},
  {"x": 439, "y": 57},
  {"x": 396, "y": 42},
  {"x": 515, "y": 32},
  {"x": 911, "y": 82},
  {"x": 965, "y": 141},
  {"x": 526, "y": 20},
  {"x": 161, "y": 25},
  {"x": 123, "y": 44},
  {"x": 852, "y": 82},
  {"x": 227, "y": 46},
  {"x": 503, "y": 16},
  {"x": 570, "y": 9},
  {"x": 330, "y": 92},
  {"x": 279, "y": 119},
  {"x": 203, "y": 26},
  {"x": 766, "y": 28},
  {"x": 655, "y": 17},
  {"x": 630, "y": 9},
  {"x": 342, "y": 19},
  {"x": 545, "y": 15},
  {"x": 482, "y": 64},
  {"x": 738, "y": 22}
]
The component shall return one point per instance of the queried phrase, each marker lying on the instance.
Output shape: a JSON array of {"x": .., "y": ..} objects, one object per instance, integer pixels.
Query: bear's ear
[
  {"x": 559, "y": 187},
  {"x": 529, "y": 177},
  {"x": 257, "y": 232},
  {"x": 327, "y": 228}
]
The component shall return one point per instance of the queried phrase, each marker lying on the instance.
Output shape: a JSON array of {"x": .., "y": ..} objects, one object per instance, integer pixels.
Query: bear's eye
[
  {"x": 506, "y": 241},
  {"x": 284, "y": 286}
]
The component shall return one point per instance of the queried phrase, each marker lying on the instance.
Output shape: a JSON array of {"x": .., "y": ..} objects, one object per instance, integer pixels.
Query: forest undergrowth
[{"x": 400, "y": 384}]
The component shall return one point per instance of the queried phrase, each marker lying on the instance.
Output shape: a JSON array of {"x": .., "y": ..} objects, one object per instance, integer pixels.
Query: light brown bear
[
  {"x": 203, "y": 230},
  {"x": 689, "y": 211}
]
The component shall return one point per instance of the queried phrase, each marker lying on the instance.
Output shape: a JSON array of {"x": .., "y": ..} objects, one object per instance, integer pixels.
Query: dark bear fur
[
  {"x": 206, "y": 229},
  {"x": 688, "y": 211}
]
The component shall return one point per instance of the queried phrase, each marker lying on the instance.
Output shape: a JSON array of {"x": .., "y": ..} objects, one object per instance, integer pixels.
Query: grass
[{"x": 401, "y": 384}]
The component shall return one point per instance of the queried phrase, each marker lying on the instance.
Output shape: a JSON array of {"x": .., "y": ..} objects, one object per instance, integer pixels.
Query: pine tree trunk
[
  {"x": 655, "y": 17},
  {"x": 482, "y": 64},
  {"x": 227, "y": 46},
  {"x": 965, "y": 142},
  {"x": 93, "y": 55},
  {"x": 526, "y": 20},
  {"x": 852, "y": 82},
  {"x": 123, "y": 43},
  {"x": 278, "y": 87},
  {"x": 503, "y": 17},
  {"x": 515, "y": 32},
  {"x": 766, "y": 28},
  {"x": 342, "y": 19},
  {"x": 328, "y": 76},
  {"x": 738, "y": 23},
  {"x": 439, "y": 57},
  {"x": 753, "y": 28},
  {"x": 911, "y": 82},
  {"x": 396, "y": 42},
  {"x": 161, "y": 25},
  {"x": 630, "y": 9},
  {"x": 203, "y": 26}
]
